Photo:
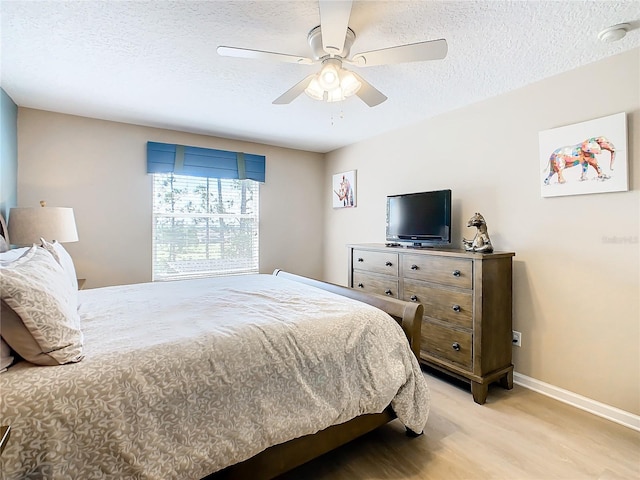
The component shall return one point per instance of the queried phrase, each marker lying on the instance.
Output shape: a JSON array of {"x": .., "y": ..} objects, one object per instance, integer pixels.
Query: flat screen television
[{"x": 419, "y": 219}]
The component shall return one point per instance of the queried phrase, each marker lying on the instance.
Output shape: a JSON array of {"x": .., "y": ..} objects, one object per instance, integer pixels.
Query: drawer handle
[
  {"x": 360, "y": 285},
  {"x": 388, "y": 292},
  {"x": 414, "y": 267},
  {"x": 456, "y": 346},
  {"x": 360, "y": 259},
  {"x": 456, "y": 273},
  {"x": 456, "y": 308},
  {"x": 414, "y": 298},
  {"x": 388, "y": 264}
]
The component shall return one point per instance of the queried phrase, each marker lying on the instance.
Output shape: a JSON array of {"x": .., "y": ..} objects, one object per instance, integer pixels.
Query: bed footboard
[
  {"x": 286, "y": 456},
  {"x": 283, "y": 457},
  {"x": 408, "y": 314}
]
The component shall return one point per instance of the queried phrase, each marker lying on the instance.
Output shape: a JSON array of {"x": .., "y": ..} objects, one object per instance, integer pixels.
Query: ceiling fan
[{"x": 331, "y": 43}]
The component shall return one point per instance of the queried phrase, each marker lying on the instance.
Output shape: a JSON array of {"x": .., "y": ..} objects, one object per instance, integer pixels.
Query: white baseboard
[{"x": 583, "y": 403}]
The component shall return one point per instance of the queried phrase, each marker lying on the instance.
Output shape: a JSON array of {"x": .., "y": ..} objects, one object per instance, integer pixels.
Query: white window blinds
[{"x": 204, "y": 227}]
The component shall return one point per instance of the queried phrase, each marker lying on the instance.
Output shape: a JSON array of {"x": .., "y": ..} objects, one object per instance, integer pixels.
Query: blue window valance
[{"x": 204, "y": 162}]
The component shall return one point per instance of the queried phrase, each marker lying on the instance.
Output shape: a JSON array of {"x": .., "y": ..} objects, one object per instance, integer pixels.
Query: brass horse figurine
[{"x": 481, "y": 243}]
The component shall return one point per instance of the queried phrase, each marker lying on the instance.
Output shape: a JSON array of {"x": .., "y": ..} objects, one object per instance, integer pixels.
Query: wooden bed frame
[{"x": 280, "y": 458}]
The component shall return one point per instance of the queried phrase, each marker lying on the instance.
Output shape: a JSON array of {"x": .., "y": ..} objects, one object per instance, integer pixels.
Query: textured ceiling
[{"x": 155, "y": 63}]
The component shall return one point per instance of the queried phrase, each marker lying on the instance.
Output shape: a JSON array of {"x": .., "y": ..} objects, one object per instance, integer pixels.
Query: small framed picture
[{"x": 344, "y": 189}]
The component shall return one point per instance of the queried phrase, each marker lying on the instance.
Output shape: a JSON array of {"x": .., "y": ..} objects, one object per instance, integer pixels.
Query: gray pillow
[
  {"x": 45, "y": 327},
  {"x": 64, "y": 259}
]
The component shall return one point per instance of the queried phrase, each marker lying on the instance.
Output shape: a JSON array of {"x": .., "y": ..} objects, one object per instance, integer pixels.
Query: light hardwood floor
[{"x": 517, "y": 434}]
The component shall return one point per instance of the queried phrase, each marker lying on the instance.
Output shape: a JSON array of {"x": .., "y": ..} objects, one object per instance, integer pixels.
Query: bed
[{"x": 235, "y": 377}]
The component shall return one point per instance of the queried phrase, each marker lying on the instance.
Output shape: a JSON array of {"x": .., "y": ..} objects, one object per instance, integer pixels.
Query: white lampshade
[
  {"x": 349, "y": 83},
  {"x": 28, "y": 224},
  {"x": 335, "y": 95},
  {"x": 329, "y": 77},
  {"x": 314, "y": 90}
]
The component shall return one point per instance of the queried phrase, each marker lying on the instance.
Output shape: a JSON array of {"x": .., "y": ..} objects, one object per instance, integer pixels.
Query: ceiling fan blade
[
  {"x": 291, "y": 94},
  {"x": 261, "y": 55},
  {"x": 414, "y": 52},
  {"x": 334, "y": 20},
  {"x": 368, "y": 93}
]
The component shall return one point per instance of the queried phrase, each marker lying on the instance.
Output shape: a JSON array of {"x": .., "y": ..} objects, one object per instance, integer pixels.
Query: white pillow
[
  {"x": 64, "y": 259},
  {"x": 6, "y": 359},
  {"x": 36, "y": 288}
]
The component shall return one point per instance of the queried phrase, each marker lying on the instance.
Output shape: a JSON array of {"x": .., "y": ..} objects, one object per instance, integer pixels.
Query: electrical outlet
[{"x": 517, "y": 339}]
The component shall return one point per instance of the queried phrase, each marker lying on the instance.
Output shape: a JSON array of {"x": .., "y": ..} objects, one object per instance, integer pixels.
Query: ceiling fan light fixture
[
  {"x": 314, "y": 90},
  {"x": 349, "y": 84},
  {"x": 333, "y": 83},
  {"x": 329, "y": 77},
  {"x": 335, "y": 95}
]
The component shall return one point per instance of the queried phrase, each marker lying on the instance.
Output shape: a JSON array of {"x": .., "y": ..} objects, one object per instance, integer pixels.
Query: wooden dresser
[{"x": 467, "y": 298}]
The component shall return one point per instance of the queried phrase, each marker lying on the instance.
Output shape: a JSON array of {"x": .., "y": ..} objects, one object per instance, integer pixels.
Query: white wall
[
  {"x": 99, "y": 168},
  {"x": 576, "y": 296}
]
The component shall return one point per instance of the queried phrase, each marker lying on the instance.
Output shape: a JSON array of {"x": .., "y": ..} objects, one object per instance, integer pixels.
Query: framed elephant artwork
[
  {"x": 344, "y": 189},
  {"x": 586, "y": 157}
]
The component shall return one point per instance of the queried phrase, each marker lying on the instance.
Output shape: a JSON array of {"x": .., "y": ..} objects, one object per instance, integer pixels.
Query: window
[
  {"x": 203, "y": 226},
  {"x": 205, "y": 210}
]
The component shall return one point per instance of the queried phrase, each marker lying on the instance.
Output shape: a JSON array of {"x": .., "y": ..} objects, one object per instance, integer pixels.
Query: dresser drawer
[
  {"x": 377, "y": 262},
  {"x": 442, "y": 303},
  {"x": 446, "y": 343},
  {"x": 457, "y": 272},
  {"x": 375, "y": 284}
]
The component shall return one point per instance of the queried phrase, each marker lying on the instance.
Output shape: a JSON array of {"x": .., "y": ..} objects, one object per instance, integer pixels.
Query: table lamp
[{"x": 28, "y": 224}]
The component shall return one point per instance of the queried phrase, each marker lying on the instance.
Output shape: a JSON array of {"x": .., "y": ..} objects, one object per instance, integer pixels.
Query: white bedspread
[{"x": 181, "y": 379}]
